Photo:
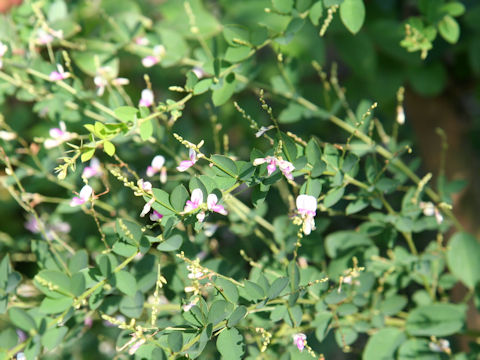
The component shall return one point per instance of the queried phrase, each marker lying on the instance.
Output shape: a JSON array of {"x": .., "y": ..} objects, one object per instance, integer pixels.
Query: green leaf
[
  {"x": 21, "y": 319},
  {"x": 294, "y": 275},
  {"x": 229, "y": 290},
  {"x": 449, "y": 29},
  {"x": 126, "y": 113},
  {"x": 322, "y": 322},
  {"x": 202, "y": 86},
  {"x": 87, "y": 154},
  {"x": 162, "y": 203},
  {"x": 59, "y": 283},
  {"x": 438, "y": 319},
  {"x": 53, "y": 337},
  {"x": 57, "y": 11},
  {"x": 315, "y": 13},
  {"x": 78, "y": 261},
  {"x": 178, "y": 197},
  {"x": 382, "y": 345},
  {"x": 283, "y": 6},
  {"x": 253, "y": 291},
  {"x": 393, "y": 305},
  {"x": 230, "y": 344},
  {"x": 55, "y": 306},
  {"x": 417, "y": 349},
  {"x": 277, "y": 287},
  {"x": 462, "y": 258},
  {"x": 352, "y": 13},
  {"x": 221, "y": 95},
  {"x": 341, "y": 241},
  {"x": 453, "y": 8},
  {"x": 333, "y": 196},
  {"x": 175, "y": 341},
  {"x": 109, "y": 147},
  {"x": 226, "y": 165},
  {"x": 171, "y": 244},
  {"x": 125, "y": 282},
  {"x": 132, "y": 306},
  {"x": 146, "y": 130},
  {"x": 237, "y": 53},
  {"x": 237, "y": 316}
]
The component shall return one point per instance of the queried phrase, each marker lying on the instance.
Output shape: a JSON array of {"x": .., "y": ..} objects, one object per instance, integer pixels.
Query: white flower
[
  {"x": 156, "y": 166},
  {"x": 307, "y": 209},
  {"x": 147, "y": 98}
]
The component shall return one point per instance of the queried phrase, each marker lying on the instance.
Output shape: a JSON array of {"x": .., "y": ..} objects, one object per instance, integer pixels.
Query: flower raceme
[
  {"x": 185, "y": 164},
  {"x": 307, "y": 209},
  {"x": 286, "y": 167},
  {"x": 83, "y": 197},
  {"x": 196, "y": 202}
]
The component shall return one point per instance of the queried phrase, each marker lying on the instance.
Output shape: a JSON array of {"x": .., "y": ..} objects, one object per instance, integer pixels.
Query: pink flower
[
  {"x": 299, "y": 340},
  {"x": 58, "y": 136},
  {"x": 286, "y": 167},
  {"x": 198, "y": 71},
  {"x": 85, "y": 194},
  {"x": 307, "y": 209},
  {"x": 213, "y": 206},
  {"x": 135, "y": 346},
  {"x": 155, "y": 215},
  {"x": 141, "y": 40},
  {"x": 185, "y": 164},
  {"x": 146, "y": 98},
  {"x": 60, "y": 74},
  {"x": 158, "y": 54},
  {"x": 157, "y": 165},
  {"x": 94, "y": 169},
  {"x": 195, "y": 201}
]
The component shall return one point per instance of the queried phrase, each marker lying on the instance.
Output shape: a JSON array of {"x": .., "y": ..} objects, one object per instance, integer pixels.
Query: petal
[
  {"x": 146, "y": 209},
  {"x": 259, "y": 161},
  {"x": 212, "y": 201},
  {"x": 86, "y": 192},
  {"x": 201, "y": 216},
  {"x": 197, "y": 196},
  {"x": 158, "y": 161},
  {"x": 149, "y": 61},
  {"x": 56, "y": 133},
  {"x": 192, "y": 155},
  {"x": 271, "y": 167},
  {"x": 51, "y": 143},
  {"x": 147, "y": 96},
  {"x": 95, "y": 163},
  {"x": 76, "y": 201},
  {"x": 150, "y": 171},
  {"x": 184, "y": 165},
  {"x": 306, "y": 203},
  {"x": 219, "y": 209}
]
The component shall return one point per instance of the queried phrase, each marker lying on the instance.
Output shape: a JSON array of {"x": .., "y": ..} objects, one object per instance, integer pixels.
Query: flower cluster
[
  {"x": 286, "y": 167},
  {"x": 196, "y": 201}
]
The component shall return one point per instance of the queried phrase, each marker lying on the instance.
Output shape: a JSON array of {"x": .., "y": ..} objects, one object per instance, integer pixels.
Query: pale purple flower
[
  {"x": 94, "y": 169},
  {"x": 299, "y": 341},
  {"x": 146, "y": 99},
  {"x": 141, "y": 40},
  {"x": 286, "y": 167},
  {"x": 158, "y": 54},
  {"x": 32, "y": 224},
  {"x": 83, "y": 197},
  {"x": 156, "y": 166},
  {"x": 44, "y": 37},
  {"x": 155, "y": 216},
  {"x": 144, "y": 185},
  {"x": 213, "y": 206},
  {"x": 198, "y": 71},
  {"x": 263, "y": 130},
  {"x": 195, "y": 201},
  {"x": 60, "y": 74},
  {"x": 147, "y": 207},
  {"x": 441, "y": 345},
  {"x": 307, "y": 209},
  {"x": 88, "y": 322},
  {"x": 185, "y": 164},
  {"x": 188, "y": 306},
  {"x": 135, "y": 346},
  {"x": 58, "y": 136},
  {"x": 22, "y": 336},
  {"x": 21, "y": 356},
  {"x": 429, "y": 209}
]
